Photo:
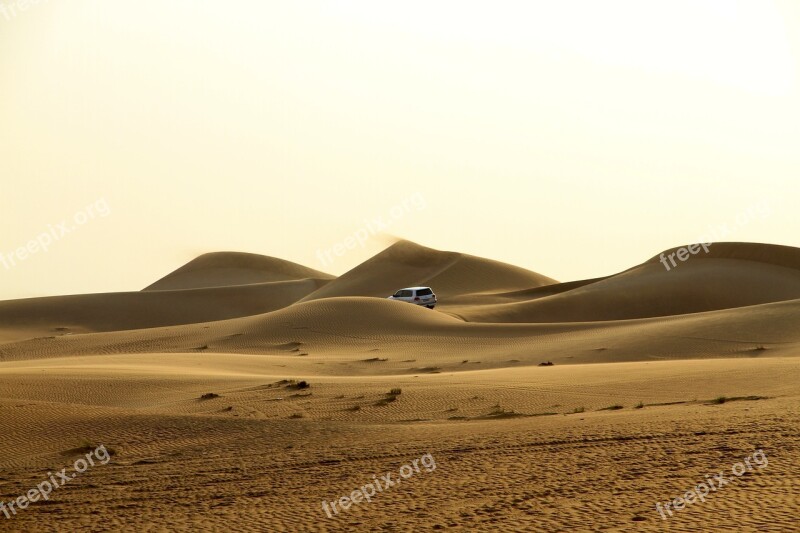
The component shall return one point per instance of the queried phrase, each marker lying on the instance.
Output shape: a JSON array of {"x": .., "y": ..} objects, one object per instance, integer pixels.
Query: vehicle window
[
  {"x": 397, "y": 294},
  {"x": 424, "y": 292},
  {"x": 405, "y": 294}
]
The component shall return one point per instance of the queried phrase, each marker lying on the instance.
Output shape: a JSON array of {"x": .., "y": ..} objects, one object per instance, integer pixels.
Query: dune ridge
[
  {"x": 221, "y": 269},
  {"x": 406, "y": 264}
]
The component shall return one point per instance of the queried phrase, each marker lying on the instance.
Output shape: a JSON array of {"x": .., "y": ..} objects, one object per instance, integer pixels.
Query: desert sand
[{"x": 240, "y": 392}]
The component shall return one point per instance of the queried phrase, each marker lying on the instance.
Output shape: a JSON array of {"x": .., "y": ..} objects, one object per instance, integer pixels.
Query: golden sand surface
[{"x": 241, "y": 392}]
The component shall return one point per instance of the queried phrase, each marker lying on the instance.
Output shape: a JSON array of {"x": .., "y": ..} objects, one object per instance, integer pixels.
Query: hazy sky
[{"x": 575, "y": 139}]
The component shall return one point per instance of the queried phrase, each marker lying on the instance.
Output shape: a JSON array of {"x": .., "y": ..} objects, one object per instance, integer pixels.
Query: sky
[{"x": 574, "y": 138}]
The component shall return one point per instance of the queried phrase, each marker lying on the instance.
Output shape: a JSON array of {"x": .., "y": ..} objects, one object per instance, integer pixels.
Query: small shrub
[
  {"x": 395, "y": 392},
  {"x": 725, "y": 399},
  {"x": 639, "y": 405},
  {"x": 499, "y": 412},
  {"x": 87, "y": 446},
  {"x": 209, "y": 396},
  {"x": 386, "y": 401}
]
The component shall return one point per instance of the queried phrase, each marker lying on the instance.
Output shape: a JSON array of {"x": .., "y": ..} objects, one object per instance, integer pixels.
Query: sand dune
[
  {"x": 222, "y": 269},
  {"x": 643, "y": 313},
  {"x": 732, "y": 275},
  {"x": 406, "y": 264}
]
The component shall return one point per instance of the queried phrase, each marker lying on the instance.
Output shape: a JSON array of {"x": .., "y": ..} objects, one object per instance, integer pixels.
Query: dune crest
[
  {"x": 406, "y": 264},
  {"x": 223, "y": 269}
]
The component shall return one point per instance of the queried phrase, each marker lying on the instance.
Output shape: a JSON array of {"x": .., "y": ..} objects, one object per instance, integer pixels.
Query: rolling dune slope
[
  {"x": 335, "y": 336},
  {"x": 87, "y": 313},
  {"x": 222, "y": 269},
  {"x": 471, "y": 275},
  {"x": 731, "y": 275}
]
